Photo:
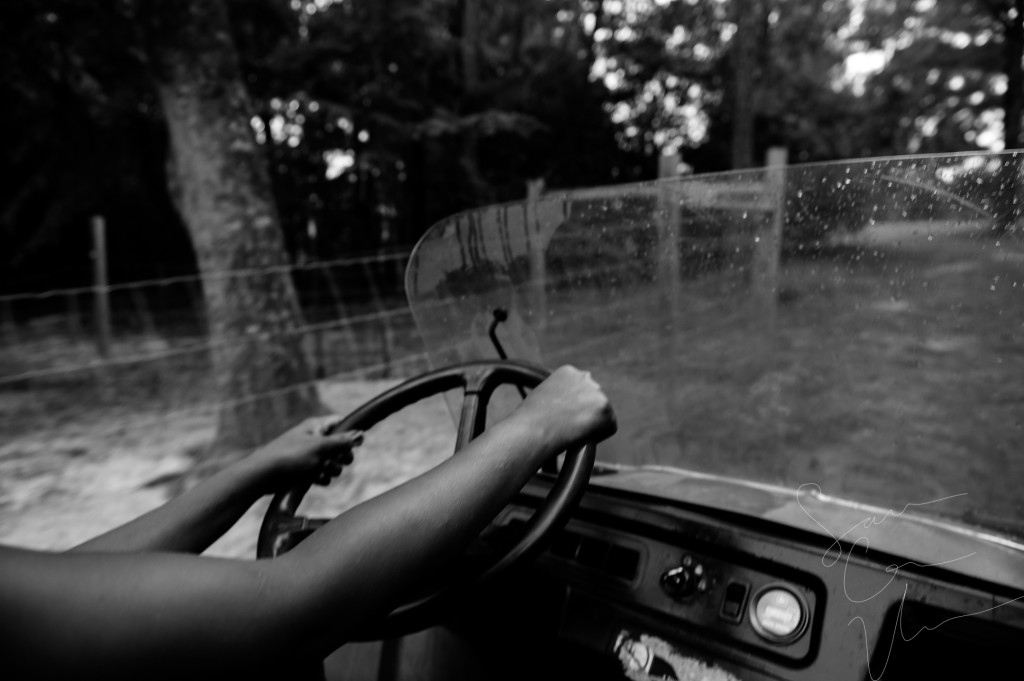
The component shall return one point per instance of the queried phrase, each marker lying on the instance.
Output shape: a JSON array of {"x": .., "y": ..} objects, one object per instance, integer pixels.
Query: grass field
[{"x": 892, "y": 371}]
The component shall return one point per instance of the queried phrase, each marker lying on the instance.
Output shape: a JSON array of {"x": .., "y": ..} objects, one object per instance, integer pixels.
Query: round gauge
[{"x": 778, "y": 614}]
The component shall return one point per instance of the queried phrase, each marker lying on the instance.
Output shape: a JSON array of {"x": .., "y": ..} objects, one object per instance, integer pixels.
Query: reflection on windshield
[{"x": 855, "y": 325}]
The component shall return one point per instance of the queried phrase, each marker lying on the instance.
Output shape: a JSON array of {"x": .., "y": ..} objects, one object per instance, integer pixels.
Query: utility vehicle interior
[{"x": 818, "y": 372}]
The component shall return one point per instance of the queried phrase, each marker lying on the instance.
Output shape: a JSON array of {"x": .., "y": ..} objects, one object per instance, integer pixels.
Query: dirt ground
[{"x": 77, "y": 480}]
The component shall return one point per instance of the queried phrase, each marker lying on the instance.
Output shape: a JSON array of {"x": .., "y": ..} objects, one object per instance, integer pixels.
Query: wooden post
[
  {"x": 768, "y": 237},
  {"x": 668, "y": 216},
  {"x": 101, "y": 291},
  {"x": 668, "y": 220},
  {"x": 538, "y": 264},
  {"x": 765, "y": 288}
]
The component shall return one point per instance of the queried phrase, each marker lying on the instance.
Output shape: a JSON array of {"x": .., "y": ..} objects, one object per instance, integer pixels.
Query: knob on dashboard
[{"x": 684, "y": 581}]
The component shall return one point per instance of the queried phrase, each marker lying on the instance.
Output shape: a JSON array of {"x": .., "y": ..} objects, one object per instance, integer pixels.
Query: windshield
[{"x": 857, "y": 326}]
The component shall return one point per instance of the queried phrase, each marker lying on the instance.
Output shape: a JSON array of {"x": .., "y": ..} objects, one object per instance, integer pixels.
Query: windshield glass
[{"x": 854, "y": 325}]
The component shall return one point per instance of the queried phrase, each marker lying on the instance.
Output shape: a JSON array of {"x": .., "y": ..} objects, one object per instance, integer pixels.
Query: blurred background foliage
[{"x": 379, "y": 117}]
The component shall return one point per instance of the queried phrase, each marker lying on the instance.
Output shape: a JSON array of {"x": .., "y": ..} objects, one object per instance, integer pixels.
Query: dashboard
[{"x": 754, "y": 598}]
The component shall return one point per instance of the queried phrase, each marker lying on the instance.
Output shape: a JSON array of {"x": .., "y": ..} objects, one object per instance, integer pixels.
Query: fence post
[
  {"x": 101, "y": 301},
  {"x": 668, "y": 220},
  {"x": 768, "y": 239},
  {"x": 668, "y": 217}
]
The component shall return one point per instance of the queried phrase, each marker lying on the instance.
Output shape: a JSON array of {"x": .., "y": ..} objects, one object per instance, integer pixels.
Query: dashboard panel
[{"x": 763, "y": 601}]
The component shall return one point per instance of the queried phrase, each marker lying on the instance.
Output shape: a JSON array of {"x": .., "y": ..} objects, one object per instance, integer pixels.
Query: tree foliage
[
  {"x": 385, "y": 89},
  {"x": 380, "y": 117},
  {"x": 83, "y": 137},
  {"x": 952, "y": 74},
  {"x": 673, "y": 68}
]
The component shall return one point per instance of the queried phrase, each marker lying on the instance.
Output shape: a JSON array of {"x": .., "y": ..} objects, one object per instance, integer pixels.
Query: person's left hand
[{"x": 309, "y": 452}]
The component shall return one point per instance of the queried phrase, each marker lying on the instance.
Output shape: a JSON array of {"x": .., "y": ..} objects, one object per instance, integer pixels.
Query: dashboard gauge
[{"x": 778, "y": 614}]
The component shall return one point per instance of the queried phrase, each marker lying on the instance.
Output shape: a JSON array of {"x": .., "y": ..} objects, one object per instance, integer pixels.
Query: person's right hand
[{"x": 570, "y": 407}]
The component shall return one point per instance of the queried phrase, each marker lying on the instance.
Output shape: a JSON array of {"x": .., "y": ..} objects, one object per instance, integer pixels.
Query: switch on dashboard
[{"x": 735, "y": 599}]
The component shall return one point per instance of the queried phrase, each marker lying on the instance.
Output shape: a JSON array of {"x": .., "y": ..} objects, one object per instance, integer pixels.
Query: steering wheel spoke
[
  {"x": 471, "y": 419},
  {"x": 481, "y": 382},
  {"x": 487, "y": 558}
]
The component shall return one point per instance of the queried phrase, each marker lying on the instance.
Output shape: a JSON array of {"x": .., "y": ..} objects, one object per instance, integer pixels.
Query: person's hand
[
  {"x": 310, "y": 452},
  {"x": 571, "y": 407}
]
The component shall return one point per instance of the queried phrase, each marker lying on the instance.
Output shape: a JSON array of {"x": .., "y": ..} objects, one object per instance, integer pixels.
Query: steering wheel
[{"x": 282, "y": 529}]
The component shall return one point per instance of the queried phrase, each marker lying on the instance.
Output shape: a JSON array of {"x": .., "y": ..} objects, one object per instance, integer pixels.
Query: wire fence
[
  {"x": 157, "y": 359},
  {"x": 158, "y": 370}
]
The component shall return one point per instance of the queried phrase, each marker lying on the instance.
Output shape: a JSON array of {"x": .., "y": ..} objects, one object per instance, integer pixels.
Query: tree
[
  {"x": 726, "y": 80},
  {"x": 222, "y": 189},
  {"x": 953, "y": 68},
  {"x": 432, "y": 106},
  {"x": 84, "y": 137},
  {"x": 954, "y": 77},
  {"x": 660, "y": 65}
]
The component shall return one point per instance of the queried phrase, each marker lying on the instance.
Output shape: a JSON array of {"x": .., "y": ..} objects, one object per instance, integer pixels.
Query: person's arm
[
  {"x": 192, "y": 521},
  {"x": 135, "y": 613}
]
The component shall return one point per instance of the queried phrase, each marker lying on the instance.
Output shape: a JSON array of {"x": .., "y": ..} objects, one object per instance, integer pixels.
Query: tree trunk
[
  {"x": 744, "y": 63},
  {"x": 223, "y": 191}
]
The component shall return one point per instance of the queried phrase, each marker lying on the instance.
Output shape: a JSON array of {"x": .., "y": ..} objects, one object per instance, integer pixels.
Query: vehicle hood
[{"x": 909, "y": 538}]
